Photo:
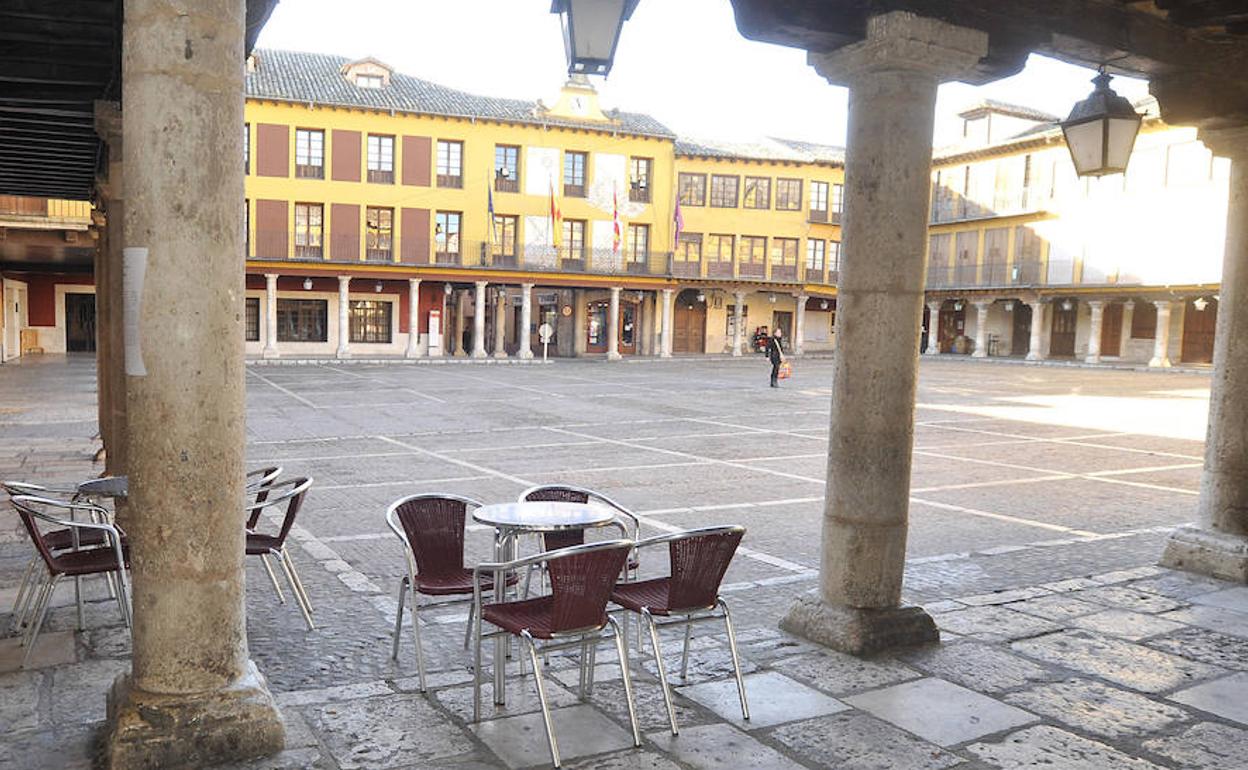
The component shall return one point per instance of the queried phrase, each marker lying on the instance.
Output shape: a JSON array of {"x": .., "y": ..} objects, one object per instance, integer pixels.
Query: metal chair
[
  {"x": 258, "y": 481},
  {"x": 690, "y": 594},
  {"x": 291, "y": 493},
  {"x": 431, "y": 527},
  {"x": 109, "y": 559},
  {"x": 574, "y": 614},
  {"x": 627, "y": 522},
  {"x": 57, "y": 540}
]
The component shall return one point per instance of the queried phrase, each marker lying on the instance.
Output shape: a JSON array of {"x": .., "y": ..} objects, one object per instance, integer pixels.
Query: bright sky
[{"x": 682, "y": 61}]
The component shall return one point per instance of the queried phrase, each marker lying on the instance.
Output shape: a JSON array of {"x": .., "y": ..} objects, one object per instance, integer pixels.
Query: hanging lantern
[
  {"x": 823, "y": 305},
  {"x": 1067, "y": 305},
  {"x": 1100, "y": 131},
  {"x": 957, "y": 306},
  {"x": 377, "y": 287},
  {"x": 1009, "y": 306},
  {"x": 1200, "y": 304},
  {"x": 591, "y": 30},
  {"x": 307, "y": 284}
]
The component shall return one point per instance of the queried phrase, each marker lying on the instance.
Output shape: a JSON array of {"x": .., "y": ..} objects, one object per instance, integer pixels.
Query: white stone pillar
[
  {"x": 656, "y": 324},
  {"x": 270, "y": 316},
  {"x": 669, "y": 301},
  {"x": 1035, "y": 346},
  {"x": 344, "y": 317},
  {"x": 1094, "y": 331},
  {"x": 892, "y": 76},
  {"x": 613, "y": 325},
  {"x": 461, "y": 322},
  {"x": 1217, "y": 544},
  {"x": 192, "y": 692},
  {"x": 1161, "y": 339},
  {"x": 1128, "y": 318},
  {"x": 738, "y": 319},
  {"x": 933, "y": 328},
  {"x": 413, "y": 319},
  {"x": 524, "y": 333},
  {"x": 799, "y": 325},
  {"x": 500, "y": 324},
  {"x": 478, "y": 322},
  {"x": 981, "y": 330}
]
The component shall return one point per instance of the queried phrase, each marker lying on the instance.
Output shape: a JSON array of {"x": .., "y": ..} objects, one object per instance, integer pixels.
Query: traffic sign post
[{"x": 544, "y": 333}]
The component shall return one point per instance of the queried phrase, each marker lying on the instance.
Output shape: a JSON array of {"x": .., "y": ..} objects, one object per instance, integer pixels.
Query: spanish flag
[
  {"x": 615, "y": 219},
  {"x": 556, "y": 219}
]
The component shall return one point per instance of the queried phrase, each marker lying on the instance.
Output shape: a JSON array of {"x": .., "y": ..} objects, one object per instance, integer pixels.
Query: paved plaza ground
[{"x": 1042, "y": 496}]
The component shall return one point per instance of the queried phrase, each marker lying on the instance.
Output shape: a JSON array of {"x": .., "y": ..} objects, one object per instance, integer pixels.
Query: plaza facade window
[
  {"x": 505, "y": 228},
  {"x": 302, "y": 320},
  {"x": 309, "y": 230},
  {"x": 1144, "y": 321},
  {"x": 446, "y": 236},
  {"x": 816, "y": 250},
  {"x": 834, "y": 255},
  {"x": 369, "y": 320},
  {"x": 381, "y": 159},
  {"x": 574, "y": 173},
  {"x": 369, "y": 81},
  {"x": 637, "y": 245},
  {"x": 724, "y": 191},
  {"x": 573, "y": 246},
  {"x": 246, "y": 228},
  {"x": 450, "y": 163},
  {"x": 309, "y": 153},
  {"x": 784, "y": 251},
  {"x": 379, "y": 234},
  {"x": 252, "y": 319},
  {"x": 752, "y": 250},
  {"x": 506, "y": 168},
  {"x": 788, "y": 195},
  {"x": 819, "y": 201},
  {"x": 719, "y": 248},
  {"x": 692, "y": 189},
  {"x": 757, "y": 193},
  {"x": 639, "y": 172},
  {"x": 838, "y": 198},
  {"x": 246, "y": 148},
  {"x": 689, "y": 248}
]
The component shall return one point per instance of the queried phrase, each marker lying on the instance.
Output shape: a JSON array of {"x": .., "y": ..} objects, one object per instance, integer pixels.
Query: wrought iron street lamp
[
  {"x": 591, "y": 30},
  {"x": 1100, "y": 131}
]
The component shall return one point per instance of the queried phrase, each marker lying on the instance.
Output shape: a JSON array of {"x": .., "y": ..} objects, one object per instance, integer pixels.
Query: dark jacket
[{"x": 773, "y": 350}]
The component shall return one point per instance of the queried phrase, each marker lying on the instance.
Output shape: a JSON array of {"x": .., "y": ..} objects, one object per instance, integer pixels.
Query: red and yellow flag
[
  {"x": 556, "y": 219},
  {"x": 615, "y": 218}
]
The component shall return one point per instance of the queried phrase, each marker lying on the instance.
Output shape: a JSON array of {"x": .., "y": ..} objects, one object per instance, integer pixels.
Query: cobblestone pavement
[{"x": 1041, "y": 498}]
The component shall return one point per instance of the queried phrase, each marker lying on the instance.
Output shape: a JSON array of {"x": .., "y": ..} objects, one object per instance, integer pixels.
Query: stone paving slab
[
  {"x": 1045, "y": 746},
  {"x": 940, "y": 712},
  {"x": 1130, "y": 665},
  {"x": 1223, "y": 697}
]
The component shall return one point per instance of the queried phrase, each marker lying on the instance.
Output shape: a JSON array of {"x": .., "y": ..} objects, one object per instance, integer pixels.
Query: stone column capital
[
  {"x": 1227, "y": 142},
  {"x": 983, "y": 304},
  {"x": 344, "y": 281},
  {"x": 1095, "y": 304},
  {"x": 1129, "y": 305},
  {"x": 413, "y": 281},
  {"x": 615, "y": 291},
  {"x": 482, "y": 284},
  {"x": 1161, "y": 304},
  {"x": 739, "y": 296},
  {"x": 270, "y": 276},
  {"x": 904, "y": 42},
  {"x": 801, "y": 296},
  {"x": 527, "y": 286}
]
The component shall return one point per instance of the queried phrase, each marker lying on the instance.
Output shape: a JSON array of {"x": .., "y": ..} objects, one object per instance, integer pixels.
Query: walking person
[{"x": 776, "y": 354}]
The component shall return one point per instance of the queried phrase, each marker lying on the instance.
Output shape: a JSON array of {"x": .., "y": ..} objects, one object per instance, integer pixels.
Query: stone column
[
  {"x": 270, "y": 316},
  {"x": 193, "y": 692},
  {"x": 981, "y": 330},
  {"x": 892, "y": 77},
  {"x": 580, "y": 321},
  {"x": 933, "y": 328},
  {"x": 1161, "y": 340},
  {"x": 656, "y": 324},
  {"x": 1094, "y": 331},
  {"x": 500, "y": 324},
  {"x": 1128, "y": 317},
  {"x": 1035, "y": 346},
  {"x": 344, "y": 317},
  {"x": 478, "y": 322},
  {"x": 1217, "y": 544},
  {"x": 613, "y": 325},
  {"x": 738, "y": 318},
  {"x": 461, "y": 321},
  {"x": 413, "y": 319},
  {"x": 665, "y": 340},
  {"x": 799, "y": 325},
  {"x": 524, "y": 333}
]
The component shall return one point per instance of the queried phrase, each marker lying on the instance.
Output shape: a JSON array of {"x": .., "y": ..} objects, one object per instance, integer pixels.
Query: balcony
[
  {"x": 381, "y": 176},
  {"x": 991, "y": 274},
  {"x": 949, "y": 206},
  {"x": 573, "y": 190},
  {"x": 309, "y": 171},
  {"x": 508, "y": 184}
]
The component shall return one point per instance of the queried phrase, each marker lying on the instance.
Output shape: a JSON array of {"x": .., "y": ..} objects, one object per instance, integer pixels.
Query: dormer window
[
  {"x": 367, "y": 73},
  {"x": 369, "y": 81}
]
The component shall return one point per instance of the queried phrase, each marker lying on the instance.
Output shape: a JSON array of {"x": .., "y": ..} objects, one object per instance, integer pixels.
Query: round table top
[
  {"x": 543, "y": 516},
  {"x": 107, "y": 486}
]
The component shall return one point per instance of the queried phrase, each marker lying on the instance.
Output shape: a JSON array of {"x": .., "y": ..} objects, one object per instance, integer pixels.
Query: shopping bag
[{"x": 786, "y": 370}]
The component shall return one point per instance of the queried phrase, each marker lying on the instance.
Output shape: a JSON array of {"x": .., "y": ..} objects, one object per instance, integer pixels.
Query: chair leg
[
  {"x": 420, "y": 650},
  {"x": 476, "y": 669},
  {"x": 472, "y": 610},
  {"x": 293, "y": 579},
  {"x": 736, "y": 660},
  {"x": 40, "y": 595},
  {"x": 281, "y": 597},
  {"x": 684, "y": 657},
  {"x": 581, "y": 660},
  {"x": 24, "y": 591},
  {"x": 398, "y": 620},
  {"x": 658, "y": 662},
  {"x": 593, "y": 662},
  {"x": 621, "y": 649},
  {"x": 541, "y": 696},
  {"x": 82, "y": 617},
  {"x": 39, "y": 618}
]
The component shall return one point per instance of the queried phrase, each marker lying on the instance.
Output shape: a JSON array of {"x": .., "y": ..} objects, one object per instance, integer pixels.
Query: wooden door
[
  {"x": 689, "y": 328},
  {"x": 952, "y": 326},
  {"x": 1062, "y": 333},
  {"x": 80, "y": 323},
  {"x": 1020, "y": 337},
  {"x": 1198, "y": 327},
  {"x": 1111, "y": 330},
  {"x": 596, "y": 328}
]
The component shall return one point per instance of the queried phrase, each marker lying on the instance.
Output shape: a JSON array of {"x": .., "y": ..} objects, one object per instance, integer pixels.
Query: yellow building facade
[{"x": 362, "y": 181}]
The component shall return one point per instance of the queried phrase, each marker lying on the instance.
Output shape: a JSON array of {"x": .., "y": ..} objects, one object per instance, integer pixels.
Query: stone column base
[
  {"x": 1207, "y": 552},
  {"x": 270, "y": 353},
  {"x": 525, "y": 354},
  {"x": 614, "y": 356},
  {"x": 342, "y": 354},
  {"x": 501, "y": 354},
  {"x": 148, "y": 730},
  {"x": 858, "y": 631}
]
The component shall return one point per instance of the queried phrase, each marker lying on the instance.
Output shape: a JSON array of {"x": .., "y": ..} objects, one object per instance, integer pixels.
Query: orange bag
[{"x": 786, "y": 370}]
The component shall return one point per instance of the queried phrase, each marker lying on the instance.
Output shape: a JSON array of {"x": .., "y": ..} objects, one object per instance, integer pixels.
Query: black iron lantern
[
  {"x": 1101, "y": 130},
  {"x": 591, "y": 30}
]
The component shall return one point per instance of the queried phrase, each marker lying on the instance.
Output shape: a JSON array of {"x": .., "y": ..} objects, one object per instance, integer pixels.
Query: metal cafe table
[{"x": 510, "y": 520}]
